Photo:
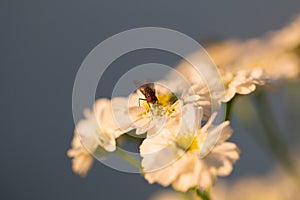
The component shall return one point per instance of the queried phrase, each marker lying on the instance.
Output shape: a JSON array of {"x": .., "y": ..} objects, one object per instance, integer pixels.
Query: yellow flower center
[
  {"x": 187, "y": 142},
  {"x": 166, "y": 99},
  {"x": 164, "y": 105}
]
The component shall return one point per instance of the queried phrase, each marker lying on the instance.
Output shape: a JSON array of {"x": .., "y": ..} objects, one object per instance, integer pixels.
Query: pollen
[{"x": 166, "y": 99}]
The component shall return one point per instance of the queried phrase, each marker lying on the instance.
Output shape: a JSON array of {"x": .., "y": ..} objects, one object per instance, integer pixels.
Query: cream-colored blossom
[
  {"x": 82, "y": 160},
  {"x": 244, "y": 64},
  {"x": 113, "y": 116},
  {"x": 277, "y": 63},
  {"x": 241, "y": 82},
  {"x": 150, "y": 118},
  {"x": 274, "y": 53},
  {"x": 188, "y": 157},
  {"x": 145, "y": 116},
  {"x": 96, "y": 130},
  {"x": 288, "y": 37},
  {"x": 275, "y": 185},
  {"x": 223, "y": 84},
  {"x": 198, "y": 76}
]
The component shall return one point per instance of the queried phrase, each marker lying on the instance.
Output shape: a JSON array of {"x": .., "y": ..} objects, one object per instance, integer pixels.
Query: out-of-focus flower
[
  {"x": 82, "y": 159},
  {"x": 201, "y": 81},
  {"x": 167, "y": 195},
  {"x": 273, "y": 186},
  {"x": 274, "y": 53},
  {"x": 288, "y": 37},
  {"x": 96, "y": 130},
  {"x": 188, "y": 157},
  {"x": 275, "y": 62},
  {"x": 242, "y": 82},
  {"x": 244, "y": 64}
]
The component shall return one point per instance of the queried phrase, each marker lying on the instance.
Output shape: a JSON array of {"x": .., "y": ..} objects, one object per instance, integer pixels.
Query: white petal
[{"x": 246, "y": 88}]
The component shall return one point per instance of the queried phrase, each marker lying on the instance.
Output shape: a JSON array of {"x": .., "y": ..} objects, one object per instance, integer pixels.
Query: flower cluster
[
  {"x": 185, "y": 142},
  {"x": 181, "y": 148}
]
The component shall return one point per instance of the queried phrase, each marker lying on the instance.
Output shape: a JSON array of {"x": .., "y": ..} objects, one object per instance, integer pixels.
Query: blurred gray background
[{"x": 42, "y": 45}]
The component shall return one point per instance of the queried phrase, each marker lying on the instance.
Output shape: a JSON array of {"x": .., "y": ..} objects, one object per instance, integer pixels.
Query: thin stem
[
  {"x": 297, "y": 50},
  {"x": 275, "y": 143},
  {"x": 129, "y": 158},
  {"x": 229, "y": 105},
  {"x": 185, "y": 195},
  {"x": 123, "y": 154},
  {"x": 202, "y": 194}
]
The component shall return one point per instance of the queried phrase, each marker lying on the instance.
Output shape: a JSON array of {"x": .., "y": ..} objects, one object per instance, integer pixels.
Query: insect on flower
[{"x": 148, "y": 90}]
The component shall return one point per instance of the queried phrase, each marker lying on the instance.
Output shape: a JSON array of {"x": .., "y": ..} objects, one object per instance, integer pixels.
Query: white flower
[
  {"x": 82, "y": 159},
  {"x": 231, "y": 80},
  {"x": 112, "y": 116},
  {"x": 97, "y": 129},
  {"x": 288, "y": 37},
  {"x": 244, "y": 64},
  {"x": 199, "y": 78},
  {"x": 188, "y": 157},
  {"x": 242, "y": 82},
  {"x": 146, "y": 117},
  {"x": 274, "y": 185}
]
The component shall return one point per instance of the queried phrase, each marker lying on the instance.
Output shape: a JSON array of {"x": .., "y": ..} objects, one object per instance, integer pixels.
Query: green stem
[
  {"x": 229, "y": 105},
  {"x": 297, "y": 50},
  {"x": 275, "y": 143},
  {"x": 185, "y": 195},
  {"x": 202, "y": 194},
  {"x": 123, "y": 154},
  {"x": 129, "y": 158}
]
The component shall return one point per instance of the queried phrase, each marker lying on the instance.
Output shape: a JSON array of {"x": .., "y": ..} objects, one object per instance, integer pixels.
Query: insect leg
[{"x": 141, "y": 99}]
